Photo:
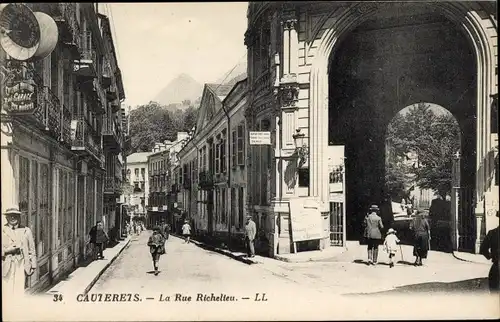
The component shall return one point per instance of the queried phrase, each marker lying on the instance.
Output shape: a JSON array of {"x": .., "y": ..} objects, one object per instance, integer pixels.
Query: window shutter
[
  {"x": 241, "y": 145},
  {"x": 233, "y": 149}
]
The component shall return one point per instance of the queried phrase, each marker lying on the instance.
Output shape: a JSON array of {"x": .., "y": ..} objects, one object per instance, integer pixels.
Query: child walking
[{"x": 391, "y": 245}]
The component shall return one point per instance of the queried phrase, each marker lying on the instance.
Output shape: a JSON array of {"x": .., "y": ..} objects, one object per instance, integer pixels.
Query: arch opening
[{"x": 398, "y": 57}]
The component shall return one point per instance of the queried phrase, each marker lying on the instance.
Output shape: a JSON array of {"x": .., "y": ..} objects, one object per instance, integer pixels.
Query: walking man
[
  {"x": 186, "y": 231},
  {"x": 98, "y": 237},
  {"x": 491, "y": 250},
  {"x": 250, "y": 231},
  {"x": 18, "y": 254}
]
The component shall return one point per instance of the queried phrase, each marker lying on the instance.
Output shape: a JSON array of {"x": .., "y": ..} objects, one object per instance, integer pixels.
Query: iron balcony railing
[
  {"x": 73, "y": 27},
  {"x": 110, "y": 128},
  {"x": 112, "y": 185},
  {"x": 86, "y": 138}
]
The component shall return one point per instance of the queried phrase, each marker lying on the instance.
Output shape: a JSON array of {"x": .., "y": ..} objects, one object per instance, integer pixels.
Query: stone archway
[{"x": 466, "y": 16}]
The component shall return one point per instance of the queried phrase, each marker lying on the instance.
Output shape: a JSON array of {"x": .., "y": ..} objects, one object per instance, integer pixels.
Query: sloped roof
[
  {"x": 138, "y": 157},
  {"x": 220, "y": 90}
]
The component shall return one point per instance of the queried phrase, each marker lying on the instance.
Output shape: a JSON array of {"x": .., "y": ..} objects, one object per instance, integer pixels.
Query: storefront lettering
[{"x": 20, "y": 98}]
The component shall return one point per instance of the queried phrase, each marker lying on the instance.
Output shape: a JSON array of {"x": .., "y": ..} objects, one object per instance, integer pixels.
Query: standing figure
[
  {"x": 491, "y": 250},
  {"x": 18, "y": 254},
  {"x": 98, "y": 238},
  {"x": 156, "y": 245},
  {"x": 391, "y": 245},
  {"x": 421, "y": 237},
  {"x": 373, "y": 234},
  {"x": 186, "y": 231},
  {"x": 250, "y": 232}
]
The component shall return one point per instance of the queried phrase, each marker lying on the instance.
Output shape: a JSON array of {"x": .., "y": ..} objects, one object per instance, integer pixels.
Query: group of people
[
  {"x": 135, "y": 228},
  {"x": 372, "y": 234}
]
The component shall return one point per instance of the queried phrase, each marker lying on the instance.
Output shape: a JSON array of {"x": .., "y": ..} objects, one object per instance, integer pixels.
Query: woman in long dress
[{"x": 421, "y": 237}]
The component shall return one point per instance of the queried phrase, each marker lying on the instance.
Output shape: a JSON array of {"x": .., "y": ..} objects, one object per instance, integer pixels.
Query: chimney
[{"x": 182, "y": 136}]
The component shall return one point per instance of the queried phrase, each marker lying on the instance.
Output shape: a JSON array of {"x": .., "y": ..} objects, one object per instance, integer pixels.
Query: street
[{"x": 188, "y": 270}]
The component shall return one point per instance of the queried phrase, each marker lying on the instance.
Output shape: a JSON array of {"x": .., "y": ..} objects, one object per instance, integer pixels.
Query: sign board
[
  {"x": 260, "y": 138},
  {"x": 20, "y": 38},
  {"x": 305, "y": 219}
]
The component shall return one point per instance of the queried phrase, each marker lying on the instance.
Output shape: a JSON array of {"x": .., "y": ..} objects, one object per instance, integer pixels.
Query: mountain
[
  {"x": 235, "y": 74},
  {"x": 181, "y": 88}
]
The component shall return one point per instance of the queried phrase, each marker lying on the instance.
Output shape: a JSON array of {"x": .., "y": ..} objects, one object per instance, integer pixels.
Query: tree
[
  {"x": 190, "y": 117},
  {"x": 432, "y": 139}
]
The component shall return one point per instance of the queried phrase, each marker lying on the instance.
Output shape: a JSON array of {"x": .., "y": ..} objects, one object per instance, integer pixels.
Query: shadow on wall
[{"x": 290, "y": 174}]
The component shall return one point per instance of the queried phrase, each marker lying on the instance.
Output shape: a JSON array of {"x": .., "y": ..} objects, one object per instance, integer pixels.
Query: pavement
[{"x": 83, "y": 278}]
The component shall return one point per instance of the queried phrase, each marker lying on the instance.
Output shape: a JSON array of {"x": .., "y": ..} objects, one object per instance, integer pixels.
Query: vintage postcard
[{"x": 212, "y": 161}]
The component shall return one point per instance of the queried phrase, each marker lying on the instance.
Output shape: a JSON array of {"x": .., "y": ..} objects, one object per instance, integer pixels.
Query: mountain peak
[{"x": 182, "y": 87}]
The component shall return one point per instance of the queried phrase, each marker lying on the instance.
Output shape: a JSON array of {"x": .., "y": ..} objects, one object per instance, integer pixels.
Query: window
[
  {"x": 303, "y": 177},
  {"x": 143, "y": 173},
  {"x": 45, "y": 215},
  {"x": 143, "y": 186},
  {"x": 71, "y": 206},
  {"x": 34, "y": 217},
  {"x": 223, "y": 153},
  {"x": 217, "y": 155},
  {"x": 24, "y": 195},
  {"x": 233, "y": 149},
  {"x": 241, "y": 209},
  {"x": 241, "y": 145},
  {"x": 136, "y": 173}
]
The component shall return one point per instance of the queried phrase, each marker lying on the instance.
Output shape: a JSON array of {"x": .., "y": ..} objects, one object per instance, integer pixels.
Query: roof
[
  {"x": 220, "y": 90},
  {"x": 138, "y": 157}
]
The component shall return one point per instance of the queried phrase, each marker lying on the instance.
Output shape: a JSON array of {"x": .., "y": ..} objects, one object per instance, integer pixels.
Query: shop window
[
  {"x": 45, "y": 214},
  {"x": 241, "y": 145},
  {"x": 34, "y": 217}
]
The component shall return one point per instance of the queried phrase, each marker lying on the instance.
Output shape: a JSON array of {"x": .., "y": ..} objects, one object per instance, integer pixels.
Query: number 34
[{"x": 58, "y": 298}]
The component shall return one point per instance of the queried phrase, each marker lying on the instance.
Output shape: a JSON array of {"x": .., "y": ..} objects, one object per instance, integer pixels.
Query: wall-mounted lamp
[{"x": 301, "y": 146}]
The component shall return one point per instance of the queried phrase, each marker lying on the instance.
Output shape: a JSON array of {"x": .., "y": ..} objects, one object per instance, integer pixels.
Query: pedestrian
[
  {"x": 186, "y": 231},
  {"x": 491, "y": 250},
  {"x": 166, "y": 231},
  {"x": 421, "y": 237},
  {"x": 373, "y": 234},
  {"x": 156, "y": 245},
  {"x": 18, "y": 254},
  {"x": 391, "y": 245},
  {"x": 250, "y": 232},
  {"x": 98, "y": 238}
]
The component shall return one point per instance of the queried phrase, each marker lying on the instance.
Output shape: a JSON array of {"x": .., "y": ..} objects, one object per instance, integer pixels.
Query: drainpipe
[{"x": 228, "y": 173}]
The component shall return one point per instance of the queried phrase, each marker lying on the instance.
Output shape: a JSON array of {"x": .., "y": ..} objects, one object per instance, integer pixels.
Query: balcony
[
  {"x": 65, "y": 15},
  {"x": 86, "y": 140},
  {"x": 175, "y": 188},
  {"x": 206, "y": 180},
  {"x": 85, "y": 67},
  {"x": 95, "y": 95},
  {"x": 186, "y": 183},
  {"x": 115, "y": 106},
  {"x": 111, "y": 135},
  {"x": 106, "y": 74},
  {"x": 26, "y": 97},
  {"x": 112, "y": 185}
]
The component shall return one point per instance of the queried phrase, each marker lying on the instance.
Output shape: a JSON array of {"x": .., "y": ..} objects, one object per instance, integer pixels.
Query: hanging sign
[
  {"x": 20, "y": 98},
  {"x": 260, "y": 138},
  {"x": 19, "y": 31},
  {"x": 49, "y": 35}
]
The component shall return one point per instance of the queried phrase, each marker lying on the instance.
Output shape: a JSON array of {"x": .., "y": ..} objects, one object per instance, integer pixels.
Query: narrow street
[{"x": 188, "y": 270}]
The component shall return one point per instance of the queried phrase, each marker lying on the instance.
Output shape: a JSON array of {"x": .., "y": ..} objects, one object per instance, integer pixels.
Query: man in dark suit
[
  {"x": 491, "y": 250},
  {"x": 373, "y": 233}
]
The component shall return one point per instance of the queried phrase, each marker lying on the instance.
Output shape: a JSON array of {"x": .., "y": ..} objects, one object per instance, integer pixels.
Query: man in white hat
[{"x": 18, "y": 253}]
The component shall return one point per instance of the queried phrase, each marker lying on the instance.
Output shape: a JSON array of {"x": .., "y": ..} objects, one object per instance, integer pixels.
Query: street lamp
[{"x": 301, "y": 147}]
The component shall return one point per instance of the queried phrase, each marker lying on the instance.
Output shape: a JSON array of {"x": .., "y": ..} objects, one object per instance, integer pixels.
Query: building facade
[
  {"x": 328, "y": 78},
  {"x": 54, "y": 147},
  {"x": 137, "y": 189},
  {"x": 209, "y": 174},
  {"x": 161, "y": 164}
]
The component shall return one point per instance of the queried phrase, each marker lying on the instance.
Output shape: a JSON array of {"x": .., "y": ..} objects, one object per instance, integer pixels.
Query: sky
[{"x": 156, "y": 42}]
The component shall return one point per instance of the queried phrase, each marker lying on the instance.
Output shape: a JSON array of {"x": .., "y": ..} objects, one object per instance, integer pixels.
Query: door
[
  {"x": 210, "y": 210},
  {"x": 337, "y": 195}
]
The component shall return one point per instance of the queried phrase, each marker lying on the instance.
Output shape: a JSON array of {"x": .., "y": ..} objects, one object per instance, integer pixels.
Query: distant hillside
[{"x": 180, "y": 89}]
